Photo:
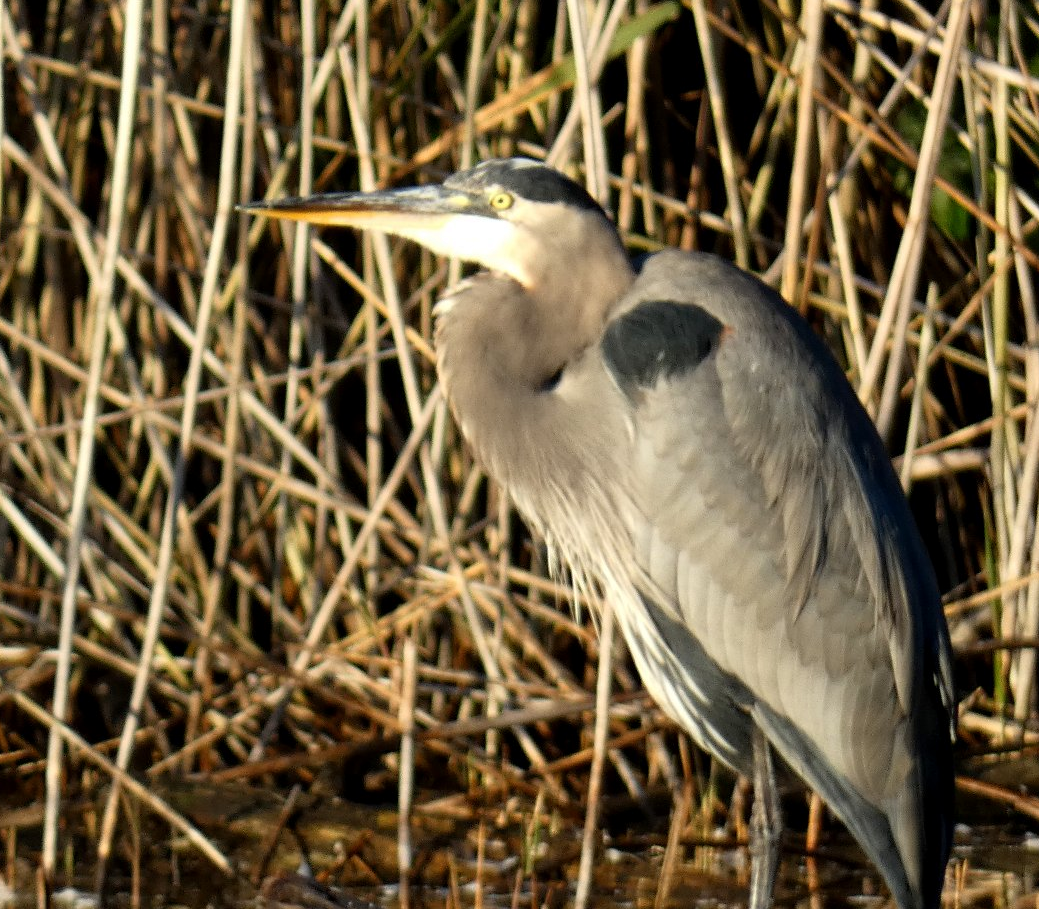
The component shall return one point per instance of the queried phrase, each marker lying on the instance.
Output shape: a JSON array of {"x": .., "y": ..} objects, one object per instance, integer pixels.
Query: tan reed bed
[{"x": 239, "y": 534}]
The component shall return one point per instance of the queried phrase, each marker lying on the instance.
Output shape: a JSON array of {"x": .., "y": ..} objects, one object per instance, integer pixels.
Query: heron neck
[
  {"x": 501, "y": 348},
  {"x": 495, "y": 330}
]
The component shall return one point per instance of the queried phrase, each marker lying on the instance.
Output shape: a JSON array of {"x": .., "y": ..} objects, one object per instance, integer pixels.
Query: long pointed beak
[
  {"x": 391, "y": 210},
  {"x": 447, "y": 221}
]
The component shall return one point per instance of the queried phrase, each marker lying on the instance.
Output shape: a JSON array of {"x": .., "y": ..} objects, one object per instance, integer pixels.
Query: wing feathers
[
  {"x": 868, "y": 823},
  {"x": 769, "y": 522}
]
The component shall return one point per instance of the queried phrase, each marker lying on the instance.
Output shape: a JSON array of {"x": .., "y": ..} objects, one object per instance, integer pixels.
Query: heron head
[{"x": 513, "y": 216}]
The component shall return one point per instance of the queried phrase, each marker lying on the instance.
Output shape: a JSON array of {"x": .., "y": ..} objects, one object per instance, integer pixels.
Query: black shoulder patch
[{"x": 658, "y": 339}]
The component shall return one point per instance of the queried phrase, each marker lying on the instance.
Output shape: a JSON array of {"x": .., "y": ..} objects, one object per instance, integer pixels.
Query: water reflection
[{"x": 469, "y": 862}]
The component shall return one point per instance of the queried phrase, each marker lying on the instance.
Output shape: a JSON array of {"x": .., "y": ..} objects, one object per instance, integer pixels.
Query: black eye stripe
[{"x": 526, "y": 180}]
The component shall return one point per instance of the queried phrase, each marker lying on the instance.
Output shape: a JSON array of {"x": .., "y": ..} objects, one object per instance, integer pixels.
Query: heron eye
[{"x": 501, "y": 201}]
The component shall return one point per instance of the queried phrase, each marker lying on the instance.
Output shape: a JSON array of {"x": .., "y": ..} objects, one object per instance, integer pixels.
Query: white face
[
  {"x": 501, "y": 233},
  {"x": 489, "y": 242}
]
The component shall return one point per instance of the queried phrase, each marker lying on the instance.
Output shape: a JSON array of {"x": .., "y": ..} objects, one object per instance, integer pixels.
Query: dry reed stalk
[
  {"x": 101, "y": 298},
  {"x": 715, "y": 88},
  {"x": 919, "y": 389},
  {"x": 811, "y": 25},
  {"x": 603, "y": 689},
  {"x": 167, "y": 541},
  {"x": 683, "y": 804},
  {"x": 142, "y": 793},
  {"x": 406, "y": 785}
]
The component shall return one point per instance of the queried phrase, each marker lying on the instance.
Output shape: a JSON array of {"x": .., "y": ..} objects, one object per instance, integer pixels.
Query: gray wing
[{"x": 774, "y": 534}]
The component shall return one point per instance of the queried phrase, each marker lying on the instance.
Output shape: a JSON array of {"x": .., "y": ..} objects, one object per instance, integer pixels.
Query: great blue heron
[{"x": 693, "y": 453}]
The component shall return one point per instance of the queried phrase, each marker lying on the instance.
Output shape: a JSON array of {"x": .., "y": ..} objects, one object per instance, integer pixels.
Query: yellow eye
[{"x": 501, "y": 201}]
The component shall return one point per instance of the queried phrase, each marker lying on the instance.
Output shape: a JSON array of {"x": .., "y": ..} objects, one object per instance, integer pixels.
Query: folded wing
[{"x": 783, "y": 571}]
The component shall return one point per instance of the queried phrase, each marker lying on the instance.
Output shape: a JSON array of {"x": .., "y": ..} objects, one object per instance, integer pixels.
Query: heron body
[{"x": 691, "y": 451}]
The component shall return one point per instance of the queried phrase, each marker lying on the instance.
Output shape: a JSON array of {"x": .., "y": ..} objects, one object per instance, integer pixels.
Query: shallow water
[{"x": 343, "y": 855}]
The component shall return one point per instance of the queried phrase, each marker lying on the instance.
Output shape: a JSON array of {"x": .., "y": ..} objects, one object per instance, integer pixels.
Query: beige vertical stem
[
  {"x": 716, "y": 90},
  {"x": 101, "y": 295},
  {"x": 1003, "y": 452},
  {"x": 587, "y": 96},
  {"x": 603, "y": 689},
  {"x": 3, "y": 124},
  {"x": 406, "y": 783},
  {"x": 812, "y": 25},
  {"x": 919, "y": 388},
  {"x": 906, "y": 270},
  {"x": 287, "y": 531},
  {"x": 164, "y": 560}
]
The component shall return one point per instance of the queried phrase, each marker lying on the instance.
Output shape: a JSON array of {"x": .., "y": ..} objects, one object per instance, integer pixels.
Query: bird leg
[{"x": 766, "y": 826}]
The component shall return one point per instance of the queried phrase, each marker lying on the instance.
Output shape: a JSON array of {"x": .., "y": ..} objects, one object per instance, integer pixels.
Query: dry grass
[{"x": 231, "y": 498}]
